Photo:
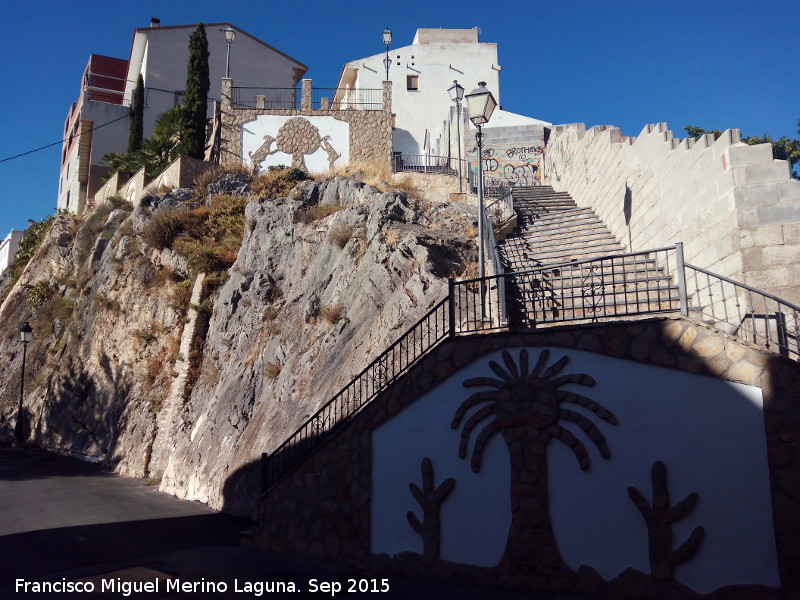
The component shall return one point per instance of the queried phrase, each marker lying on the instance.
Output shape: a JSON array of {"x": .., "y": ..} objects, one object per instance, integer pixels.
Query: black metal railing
[
  {"x": 608, "y": 288},
  {"x": 745, "y": 312},
  {"x": 426, "y": 163},
  {"x": 268, "y": 98},
  {"x": 292, "y": 98},
  {"x": 375, "y": 378},
  {"x": 499, "y": 200}
]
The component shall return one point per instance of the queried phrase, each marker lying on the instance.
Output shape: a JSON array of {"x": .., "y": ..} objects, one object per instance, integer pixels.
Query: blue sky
[{"x": 711, "y": 63}]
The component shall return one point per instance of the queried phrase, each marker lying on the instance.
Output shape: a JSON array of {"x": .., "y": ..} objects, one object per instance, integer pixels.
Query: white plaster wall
[
  {"x": 253, "y": 133},
  {"x": 708, "y": 432},
  {"x": 252, "y": 64},
  {"x": 9, "y": 247},
  {"x": 437, "y": 64},
  {"x": 68, "y": 185}
]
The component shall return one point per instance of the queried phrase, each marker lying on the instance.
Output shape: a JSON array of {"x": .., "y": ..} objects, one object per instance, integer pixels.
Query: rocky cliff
[{"x": 145, "y": 359}]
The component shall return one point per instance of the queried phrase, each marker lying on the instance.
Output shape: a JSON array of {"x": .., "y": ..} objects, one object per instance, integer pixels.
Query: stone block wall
[
  {"x": 110, "y": 187},
  {"x": 370, "y": 131},
  {"x": 736, "y": 210},
  {"x": 322, "y": 509}
]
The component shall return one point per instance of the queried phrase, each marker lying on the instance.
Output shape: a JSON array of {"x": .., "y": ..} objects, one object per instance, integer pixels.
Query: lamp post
[
  {"x": 481, "y": 104},
  {"x": 387, "y": 39},
  {"x": 230, "y": 35},
  {"x": 457, "y": 95},
  {"x": 25, "y": 336}
]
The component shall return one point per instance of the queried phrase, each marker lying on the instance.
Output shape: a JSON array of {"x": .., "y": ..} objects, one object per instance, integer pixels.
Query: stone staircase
[{"x": 555, "y": 235}]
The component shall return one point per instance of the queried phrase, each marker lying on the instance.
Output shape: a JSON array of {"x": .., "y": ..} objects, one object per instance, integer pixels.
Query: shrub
[
  {"x": 275, "y": 183},
  {"x": 39, "y": 293},
  {"x": 117, "y": 202},
  {"x": 162, "y": 228}
]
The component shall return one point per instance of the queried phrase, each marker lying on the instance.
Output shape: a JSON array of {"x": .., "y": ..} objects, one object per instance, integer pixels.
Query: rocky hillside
[{"x": 168, "y": 354}]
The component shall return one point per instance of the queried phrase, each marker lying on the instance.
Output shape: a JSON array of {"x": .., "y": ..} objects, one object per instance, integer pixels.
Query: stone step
[{"x": 532, "y": 241}]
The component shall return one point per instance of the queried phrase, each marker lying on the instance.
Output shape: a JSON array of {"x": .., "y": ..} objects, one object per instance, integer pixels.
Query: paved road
[{"x": 66, "y": 521}]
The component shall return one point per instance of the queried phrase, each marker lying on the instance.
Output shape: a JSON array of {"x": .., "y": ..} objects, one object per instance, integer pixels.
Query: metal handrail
[
  {"x": 586, "y": 290},
  {"x": 400, "y": 356},
  {"x": 427, "y": 163}
]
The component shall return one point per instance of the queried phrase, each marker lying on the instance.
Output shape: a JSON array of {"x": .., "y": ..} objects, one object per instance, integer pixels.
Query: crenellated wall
[{"x": 736, "y": 210}]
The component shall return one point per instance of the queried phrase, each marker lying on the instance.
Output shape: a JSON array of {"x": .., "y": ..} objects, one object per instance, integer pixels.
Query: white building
[
  {"x": 421, "y": 74},
  {"x": 97, "y": 123},
  {"x": 8, "y": 248}
]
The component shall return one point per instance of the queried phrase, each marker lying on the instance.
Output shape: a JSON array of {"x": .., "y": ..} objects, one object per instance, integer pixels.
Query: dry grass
[
  {"x": 370, "y": 173},
  {"x": 272, "y": 369},
  {"x": 471, "y": 231},
  {"x": 332, "y": 313},
  {"x": 317, "y": 212},
  {"x": 390, "y": 237},
  {"x": 340, "y": 234},
  {"x": 276, "y": 183}
]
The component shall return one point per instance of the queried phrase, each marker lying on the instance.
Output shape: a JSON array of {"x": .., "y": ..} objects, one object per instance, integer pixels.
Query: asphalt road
[{"x": 64, "y": 521}]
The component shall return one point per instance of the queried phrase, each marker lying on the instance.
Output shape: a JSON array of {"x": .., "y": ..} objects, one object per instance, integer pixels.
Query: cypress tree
[
  {"x": 137, "y": 117},
  {"x": 196, "y": 98}
]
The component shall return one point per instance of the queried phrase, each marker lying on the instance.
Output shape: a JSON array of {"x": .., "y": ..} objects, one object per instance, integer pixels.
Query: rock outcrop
[{"x": 138, "y": 364}]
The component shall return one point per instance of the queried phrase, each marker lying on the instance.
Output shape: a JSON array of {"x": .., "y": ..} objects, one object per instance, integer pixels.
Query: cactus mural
[{"x": 430, "y": 499}]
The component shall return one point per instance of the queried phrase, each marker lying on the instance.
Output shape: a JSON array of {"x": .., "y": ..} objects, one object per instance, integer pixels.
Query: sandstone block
[
  {"x": 742, "y": 155},
  {"x": 708, "y": 345}
]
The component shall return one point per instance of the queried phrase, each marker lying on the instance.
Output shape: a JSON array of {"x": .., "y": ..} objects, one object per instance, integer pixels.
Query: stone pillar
[
  {"x": 227, "y": 154},
  {"x": 305, "y": 102}
]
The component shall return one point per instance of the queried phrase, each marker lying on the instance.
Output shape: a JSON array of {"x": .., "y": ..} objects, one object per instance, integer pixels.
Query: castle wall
[{"x": 736, "y": 210}]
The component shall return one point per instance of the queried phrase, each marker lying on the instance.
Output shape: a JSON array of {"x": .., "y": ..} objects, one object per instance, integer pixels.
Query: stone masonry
[
  {"x": 370, "y": 137},
  {"x": 735, "y": 208},
  {"x": 322, "y": 509}
]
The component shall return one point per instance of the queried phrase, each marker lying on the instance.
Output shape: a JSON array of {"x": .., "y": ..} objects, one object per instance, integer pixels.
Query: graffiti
[
  {"x": 522, "y": 152},
  {"x": 521, "y": 174},
  {"x": 488, "y": 152},
  {"x": 490, "y": 164}
]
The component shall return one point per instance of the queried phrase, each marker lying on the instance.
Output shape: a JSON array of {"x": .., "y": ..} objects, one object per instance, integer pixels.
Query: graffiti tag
[
  {"x": 512, "y": 152},
  {"x": 521, "y": 174}
]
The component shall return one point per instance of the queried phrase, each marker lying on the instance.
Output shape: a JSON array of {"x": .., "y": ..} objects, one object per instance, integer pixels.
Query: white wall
[
  {"x": 437, "y": 64},
  {"x": 8, "y": 248},
  {"x": 708, "y": 432}
]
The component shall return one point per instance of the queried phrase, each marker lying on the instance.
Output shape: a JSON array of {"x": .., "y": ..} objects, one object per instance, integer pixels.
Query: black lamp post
[
  {"x": 25, "y": 336},
  {"x": 387, "y": 39},
  {"x": 481, "y": 104},
  {"x": 457, "y": 95},
  {"x": 230, "y": 35}
]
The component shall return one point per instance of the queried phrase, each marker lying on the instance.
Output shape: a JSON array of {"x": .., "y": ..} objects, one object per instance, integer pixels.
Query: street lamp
[
  {"x": 457, "y": 95},
  {"x": 387, "y": 39},
  {"x": 230, "y": 35},
  {"x": 25, "y": 336},
  {"x": 481, "y": 104}
]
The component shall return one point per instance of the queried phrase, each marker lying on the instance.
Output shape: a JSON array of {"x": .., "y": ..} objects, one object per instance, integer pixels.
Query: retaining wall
[{"x": 736, "y": 210}]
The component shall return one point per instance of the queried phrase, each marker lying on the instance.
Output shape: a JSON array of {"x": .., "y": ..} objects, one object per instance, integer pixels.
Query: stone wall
[
  {"x": 735, "y": 208},
  {"x": 323, "y": 509},
  {"x": 369, "y": 132},
  {"x": 512, "y": 154}
]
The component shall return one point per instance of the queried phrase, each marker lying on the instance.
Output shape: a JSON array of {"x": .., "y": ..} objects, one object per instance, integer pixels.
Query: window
[{"x": 412, "y": 83}]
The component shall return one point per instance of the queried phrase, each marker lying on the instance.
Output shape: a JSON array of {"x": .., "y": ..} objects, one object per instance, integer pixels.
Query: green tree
[
  {"x": 196, "y": 98},
  {"x": 783, "y": 149},
  {"x": 137, "y": 117}
]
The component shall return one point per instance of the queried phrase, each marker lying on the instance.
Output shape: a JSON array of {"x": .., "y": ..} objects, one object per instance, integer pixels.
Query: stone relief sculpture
[
  {"x": 527, "y": 407},
  {"x": 659, "y": 517},
  {"x": 298, "y": 137},
  {"x": 430, "y": 498}
]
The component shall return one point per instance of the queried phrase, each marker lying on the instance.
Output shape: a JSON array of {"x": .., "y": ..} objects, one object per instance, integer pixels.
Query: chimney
[{"x": 155, "y": 22}]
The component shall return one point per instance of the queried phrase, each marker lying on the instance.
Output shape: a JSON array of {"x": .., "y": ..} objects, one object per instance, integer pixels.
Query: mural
[
  {"x": 520, "y": 503},
  {"x": 313, "y": 144}
]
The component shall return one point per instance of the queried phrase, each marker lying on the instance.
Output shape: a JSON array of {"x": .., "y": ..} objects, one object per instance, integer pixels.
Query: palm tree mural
[{"x": 528, "y": 407}]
